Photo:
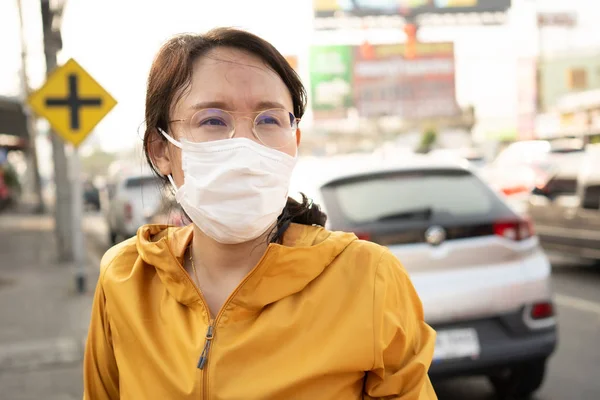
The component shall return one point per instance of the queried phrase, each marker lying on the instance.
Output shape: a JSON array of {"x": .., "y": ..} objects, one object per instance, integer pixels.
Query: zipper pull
[{"x": 204, "y": 355}]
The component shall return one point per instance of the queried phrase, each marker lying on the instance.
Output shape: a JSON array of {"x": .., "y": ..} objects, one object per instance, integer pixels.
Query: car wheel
[
  {"x": 113, "y": 237},
  {"x": 521, "y": 381}
]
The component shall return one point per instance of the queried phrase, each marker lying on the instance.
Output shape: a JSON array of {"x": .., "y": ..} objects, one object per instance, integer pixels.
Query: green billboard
[{"x": 331, "y": 80}]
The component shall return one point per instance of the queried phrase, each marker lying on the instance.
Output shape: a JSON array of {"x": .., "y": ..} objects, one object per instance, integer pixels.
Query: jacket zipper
[
  {"x": 208, "y": 338},
  {"x": 208, "y": 341},
  {"x": 210, "y": 332},
  {"x": 204, "y": 356}
]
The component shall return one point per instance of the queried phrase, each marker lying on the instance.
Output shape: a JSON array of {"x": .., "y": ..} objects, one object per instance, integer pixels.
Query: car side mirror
[{"x": 539, "y": 192}]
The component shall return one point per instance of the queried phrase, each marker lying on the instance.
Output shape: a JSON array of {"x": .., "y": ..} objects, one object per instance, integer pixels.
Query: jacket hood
[{"x": 285, "y": 269}]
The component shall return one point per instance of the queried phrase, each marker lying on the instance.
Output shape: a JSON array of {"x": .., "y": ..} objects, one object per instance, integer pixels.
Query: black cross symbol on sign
[{"x": 74, "y": 102}]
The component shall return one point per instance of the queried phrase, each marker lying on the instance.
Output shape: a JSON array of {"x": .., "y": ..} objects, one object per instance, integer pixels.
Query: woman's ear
[
  {"x": 159, "y": 153},
  {"x": 298, "y": 136}
]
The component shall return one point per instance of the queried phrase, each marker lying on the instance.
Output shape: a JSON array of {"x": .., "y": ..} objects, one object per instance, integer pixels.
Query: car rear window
[
  {"x": 142, "y": 181},
  {"x": 448, "y": 195}
]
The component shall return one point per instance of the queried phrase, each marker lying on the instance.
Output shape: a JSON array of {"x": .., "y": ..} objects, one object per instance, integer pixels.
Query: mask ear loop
[
  {"x": 172, "y": 182},
  {"x": 174, "y": 143},
  {"x": 170, "y": 138}
]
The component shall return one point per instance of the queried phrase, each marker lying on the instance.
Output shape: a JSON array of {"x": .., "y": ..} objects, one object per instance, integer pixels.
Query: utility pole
[
  {"x": 62, "y": 211},
  {"x": 33, "y": 166}
]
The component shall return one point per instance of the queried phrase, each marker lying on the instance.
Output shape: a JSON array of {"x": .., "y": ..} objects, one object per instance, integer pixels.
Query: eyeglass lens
[{"x": 274, "y": 128}]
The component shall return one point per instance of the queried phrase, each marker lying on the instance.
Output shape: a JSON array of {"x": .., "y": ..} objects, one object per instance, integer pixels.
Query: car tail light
[
  {"x": 509, "y": 191},
  {"x": 128, "y": 212},
  {"x": 514, "y": 230},
  {"x": 363, "y": 235},
  {"x": 542, "y": 310}
]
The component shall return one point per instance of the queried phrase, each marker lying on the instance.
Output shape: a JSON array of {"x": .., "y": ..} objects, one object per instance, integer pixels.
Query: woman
[{"x": 254, "y": 299}]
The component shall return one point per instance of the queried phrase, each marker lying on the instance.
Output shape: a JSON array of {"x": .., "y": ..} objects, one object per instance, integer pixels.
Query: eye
[
  {"x": 213, "y": 122},
  {"x": 273, "y": 118},
  {"x": 268, "y": 120}
]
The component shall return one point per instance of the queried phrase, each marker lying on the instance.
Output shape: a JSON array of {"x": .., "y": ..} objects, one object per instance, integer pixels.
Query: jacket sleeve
[
  {"x": 404, "y": 343},
  {"x": 100, "y": 374}
]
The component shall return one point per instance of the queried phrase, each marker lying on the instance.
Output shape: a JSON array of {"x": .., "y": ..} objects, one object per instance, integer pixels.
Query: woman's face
[{"x": 231, "y": 80}]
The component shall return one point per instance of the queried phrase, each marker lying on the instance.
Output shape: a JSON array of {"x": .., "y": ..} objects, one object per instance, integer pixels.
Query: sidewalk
[{"x": 43, "y": 322}]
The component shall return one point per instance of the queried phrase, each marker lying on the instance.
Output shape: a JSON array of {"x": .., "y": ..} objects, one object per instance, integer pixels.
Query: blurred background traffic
[{"x": 462, "y": 134}]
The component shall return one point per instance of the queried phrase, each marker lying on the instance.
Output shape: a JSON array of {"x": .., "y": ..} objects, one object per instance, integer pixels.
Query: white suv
[
  {"x": 133, "y": 200},
  {"x": 478, "y": 267}
]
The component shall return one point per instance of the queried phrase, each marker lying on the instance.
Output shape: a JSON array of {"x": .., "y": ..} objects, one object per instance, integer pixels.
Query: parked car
[
  {"x": 523, "y": 165},
  {"x": 566, "y": 210},
  {"x": 169, "y": 212},
  {"x": 472, "y": 155},
  {"x": 482, "y": 277},
  {"x": 91, "y": 196},
  {"x": 133, "y": 200},
  {"x": 10, "y": 187},
  {"x": 5, "y": 198}
]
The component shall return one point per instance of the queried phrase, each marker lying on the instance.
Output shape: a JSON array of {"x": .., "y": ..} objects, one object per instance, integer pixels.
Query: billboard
[
  {"x": 331, "y": 81},
  {"x": 407, "y": 8},
  {"x": 293, "y": 61},
  {"x": 385, "y": 83},
  {"x": 554, "y": 19},
  {"x": 379, "y": 81}
]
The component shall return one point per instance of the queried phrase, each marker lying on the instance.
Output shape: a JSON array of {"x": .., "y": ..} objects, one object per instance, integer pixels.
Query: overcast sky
[{"x": 116, "y": 40}]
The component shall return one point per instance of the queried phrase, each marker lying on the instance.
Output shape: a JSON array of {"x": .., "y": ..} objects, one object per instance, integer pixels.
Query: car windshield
[
  {"x": 144, "y": 191},
  {"x": 142, "y": 181}
]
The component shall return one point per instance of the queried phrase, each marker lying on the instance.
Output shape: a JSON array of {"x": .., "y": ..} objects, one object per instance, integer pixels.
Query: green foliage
[
  {"x": 96, "y": 164},
  {"x": 11, "y": 178},
  {"x": 428, "y": 140}
]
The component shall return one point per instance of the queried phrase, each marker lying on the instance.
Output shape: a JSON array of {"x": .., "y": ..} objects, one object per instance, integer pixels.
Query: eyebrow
[{"x": 263, "y": 105}]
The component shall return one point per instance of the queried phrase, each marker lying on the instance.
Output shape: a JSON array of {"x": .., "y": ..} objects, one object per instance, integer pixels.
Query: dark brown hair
[{"x": 171, "y": 73}]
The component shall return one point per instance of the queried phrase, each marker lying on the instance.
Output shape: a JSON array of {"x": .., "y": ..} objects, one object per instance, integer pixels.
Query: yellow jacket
[{"x": 323, "y": 316}]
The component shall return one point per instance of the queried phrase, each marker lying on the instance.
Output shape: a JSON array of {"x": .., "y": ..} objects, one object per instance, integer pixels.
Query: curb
[
  {"x": 95, "y": 248},
  {"x": 65, "y": 346},
  {"x": 64, "y": 350},
  {"x": 39, "y": 353}
]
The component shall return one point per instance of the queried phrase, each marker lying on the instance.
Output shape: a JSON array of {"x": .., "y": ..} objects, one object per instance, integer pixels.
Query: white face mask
[{"x": 233, "y": 189}]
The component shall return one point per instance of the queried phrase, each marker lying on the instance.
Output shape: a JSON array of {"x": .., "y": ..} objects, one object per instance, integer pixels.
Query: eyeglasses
[{"x": 274, "y": 128}]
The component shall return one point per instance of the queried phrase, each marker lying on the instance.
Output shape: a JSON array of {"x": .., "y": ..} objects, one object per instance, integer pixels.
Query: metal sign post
[
  {"x": 73, "y": 102},
  {"x": 78, "y": 235}
]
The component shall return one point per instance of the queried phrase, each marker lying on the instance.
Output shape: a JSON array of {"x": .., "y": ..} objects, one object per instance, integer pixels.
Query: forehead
[{"x": 237, "y": 79}]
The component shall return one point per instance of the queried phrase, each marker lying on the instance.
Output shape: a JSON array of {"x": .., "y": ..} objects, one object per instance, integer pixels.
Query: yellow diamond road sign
[{"x": 72, "y": 101}]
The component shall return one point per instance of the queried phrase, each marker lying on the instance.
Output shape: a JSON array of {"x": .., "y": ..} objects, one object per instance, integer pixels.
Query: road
[{"x": 573, "y": 370}]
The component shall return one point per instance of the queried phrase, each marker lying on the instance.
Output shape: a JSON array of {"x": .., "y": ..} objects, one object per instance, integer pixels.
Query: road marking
[{"x": 576, "y": 302}]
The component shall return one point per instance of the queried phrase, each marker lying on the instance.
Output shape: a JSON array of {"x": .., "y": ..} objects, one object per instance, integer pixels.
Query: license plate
[{"x": 456, "y": 343}]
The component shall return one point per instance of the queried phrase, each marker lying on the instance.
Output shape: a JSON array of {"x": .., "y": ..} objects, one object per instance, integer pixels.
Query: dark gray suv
[{"x": 566, "y": 210}]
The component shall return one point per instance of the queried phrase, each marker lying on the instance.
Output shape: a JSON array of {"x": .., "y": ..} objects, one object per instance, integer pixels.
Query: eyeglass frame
[{"x": 231, "y": 113}]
